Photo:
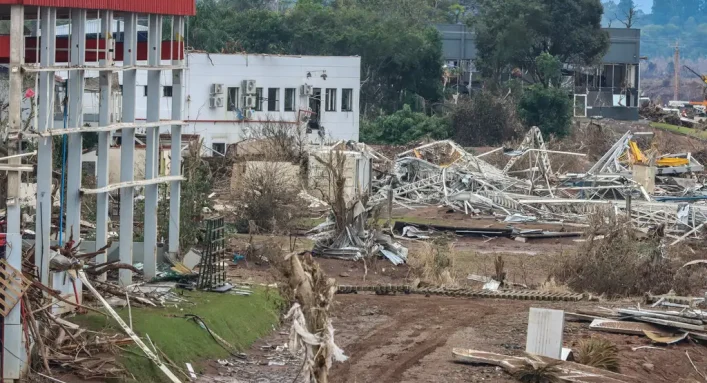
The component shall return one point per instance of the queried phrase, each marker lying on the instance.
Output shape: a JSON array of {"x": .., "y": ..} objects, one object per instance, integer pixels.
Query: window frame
[
  {"x": 235, "y": 97},
  {"x": 292, "y": 98},
  {"x": 274, "y": 102},
  {"x": 349, "y": 107},
  {"x": 217, "y": 151},
  {"x": 258, "y": 99},
  {"x": 330, "y": 100}
]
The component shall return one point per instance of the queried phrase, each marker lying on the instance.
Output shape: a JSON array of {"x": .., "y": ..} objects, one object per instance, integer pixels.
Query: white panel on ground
[{"x": 545, "y": 329}]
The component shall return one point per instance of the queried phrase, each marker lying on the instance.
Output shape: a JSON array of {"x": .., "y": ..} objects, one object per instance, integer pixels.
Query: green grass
[
  {"x": 239, "y": 320},
  {"x": 701, "y": 134}
]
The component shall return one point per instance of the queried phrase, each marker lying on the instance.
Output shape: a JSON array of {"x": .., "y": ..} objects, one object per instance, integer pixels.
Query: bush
[
  {"x": 621, "y": 265},
  {"x": 485, "y": 119},
  {"x": 269, "y": 196},
  {"x": 404, "y": 126},
  {"x": 549, "y": 109}
]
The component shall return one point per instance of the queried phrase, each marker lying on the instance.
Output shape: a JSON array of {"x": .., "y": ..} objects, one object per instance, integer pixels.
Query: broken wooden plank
[
  {"x": 570, "y": 372},
  {"x": 628, "y": 328},
  {"x": 128, "y": 330}
]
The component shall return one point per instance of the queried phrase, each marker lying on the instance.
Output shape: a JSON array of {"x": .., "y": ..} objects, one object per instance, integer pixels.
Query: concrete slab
[{"x": 545, "y": 329}]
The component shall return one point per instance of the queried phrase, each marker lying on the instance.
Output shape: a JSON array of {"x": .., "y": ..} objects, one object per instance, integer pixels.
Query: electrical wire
[{"x": 198, "y": 319}]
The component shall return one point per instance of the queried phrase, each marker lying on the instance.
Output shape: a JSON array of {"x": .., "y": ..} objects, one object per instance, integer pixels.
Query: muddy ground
[{"x": 409, "y": 338}]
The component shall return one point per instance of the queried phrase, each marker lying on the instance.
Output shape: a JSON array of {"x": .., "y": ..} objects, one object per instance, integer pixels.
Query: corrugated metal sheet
[{"x": 164, "y": 7}]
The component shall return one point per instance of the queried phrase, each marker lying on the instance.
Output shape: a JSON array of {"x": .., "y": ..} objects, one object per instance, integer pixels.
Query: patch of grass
[
  {"x": 239, "y": 320},
  {"x": 701, "y": 134}
]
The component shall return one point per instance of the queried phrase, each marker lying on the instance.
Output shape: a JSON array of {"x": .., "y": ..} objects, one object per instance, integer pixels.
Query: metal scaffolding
[{"x": 43, "y": 130}]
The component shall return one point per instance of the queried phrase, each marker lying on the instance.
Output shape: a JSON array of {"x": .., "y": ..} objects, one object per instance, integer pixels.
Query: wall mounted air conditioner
[
  {"x": 215, "y": 102},
  {"x": 249, "y": 86},
  {"x": 306, "y": 90},
  {"x": 216, "y": 88},
  {"x": 249, "y": 101}
]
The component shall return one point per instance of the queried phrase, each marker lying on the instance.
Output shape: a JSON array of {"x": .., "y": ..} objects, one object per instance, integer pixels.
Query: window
[
  {"x": 232, "y": 100},
  {"x": 219, "y": 148},
  {"x": 347, "y": 100},
  {"x": 273, "y": 102},
  {"x": 145, "y": 90},
  {"x": 330, "y": 100},
  {"x": 258, "y": 99},
  {"x": 167, "y": 91},
  {"x": 289, "y": 99}
]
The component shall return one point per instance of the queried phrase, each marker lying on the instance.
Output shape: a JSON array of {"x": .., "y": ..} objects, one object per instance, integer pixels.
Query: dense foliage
[
  {"x": 400, "y": 52},
  {"x": 547, "y": 108},
  {"x": 512, "y": 33},
  {"x": 404, "y": 126}
]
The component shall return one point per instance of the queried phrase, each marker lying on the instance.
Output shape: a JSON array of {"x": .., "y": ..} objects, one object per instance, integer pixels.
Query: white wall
[{"x": 218, "y": 125}]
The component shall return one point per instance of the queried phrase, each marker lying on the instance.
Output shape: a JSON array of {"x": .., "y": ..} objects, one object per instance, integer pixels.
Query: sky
[{"x": 644, "y": 5}]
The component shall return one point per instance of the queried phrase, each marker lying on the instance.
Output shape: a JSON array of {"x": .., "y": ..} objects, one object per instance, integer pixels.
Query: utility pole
[{"x": 676, "y": 65}]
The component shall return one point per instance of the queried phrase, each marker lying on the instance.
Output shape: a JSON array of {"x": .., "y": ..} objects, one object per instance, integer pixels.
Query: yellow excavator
[{"x": 637, "y": 157}]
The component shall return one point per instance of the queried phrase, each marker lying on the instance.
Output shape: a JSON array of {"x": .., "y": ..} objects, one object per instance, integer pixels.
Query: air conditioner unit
[
  {"x": 249, "y": 86},
  {"x": 249, "y": 101},
  {"x": 216, "y": 88},
  {"x": 306, "y": 90},
  {"x": 215, "y": 102},
  {"x": 248, "y": 114}
]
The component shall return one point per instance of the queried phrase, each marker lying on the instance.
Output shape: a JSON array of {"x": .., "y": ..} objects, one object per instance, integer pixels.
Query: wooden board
[
  {"x": 12, "y": 287},
  {"x": 629, "y": 328},
  {"x": 570, "y": 372}
]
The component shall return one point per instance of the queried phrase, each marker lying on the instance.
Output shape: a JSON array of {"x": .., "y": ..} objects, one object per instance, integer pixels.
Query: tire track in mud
[{"x": 415, "y": 328}]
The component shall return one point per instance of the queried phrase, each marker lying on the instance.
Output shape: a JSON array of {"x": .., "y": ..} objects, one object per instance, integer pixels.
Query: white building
[{"x": 226, "y": 95}]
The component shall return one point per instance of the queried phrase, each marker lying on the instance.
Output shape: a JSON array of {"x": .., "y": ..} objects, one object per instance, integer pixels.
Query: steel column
[
  {"x": 73, "y": 157},
  {"x": 104, "y": 138},
  {"x": 151, "y": 152},
  {"x": 46, "y": 97},
  {"x": 176, "y": 158},
  {"x": 12, "y": 336},
  {"x": 127, "y": 150}
]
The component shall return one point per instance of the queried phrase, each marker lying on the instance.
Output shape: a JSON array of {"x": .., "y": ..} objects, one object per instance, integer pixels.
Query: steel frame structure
[{"x": 44, "y": 131}]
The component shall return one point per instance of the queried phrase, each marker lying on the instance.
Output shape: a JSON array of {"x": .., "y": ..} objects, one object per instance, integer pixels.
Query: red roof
[{"x": 163, "y": 7}]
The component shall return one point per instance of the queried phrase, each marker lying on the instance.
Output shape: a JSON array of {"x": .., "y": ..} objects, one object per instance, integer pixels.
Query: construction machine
[{"x": 704, "y": 92}]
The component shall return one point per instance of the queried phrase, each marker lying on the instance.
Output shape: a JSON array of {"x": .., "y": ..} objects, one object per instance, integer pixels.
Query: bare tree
[{"x": 628, "y": 17}]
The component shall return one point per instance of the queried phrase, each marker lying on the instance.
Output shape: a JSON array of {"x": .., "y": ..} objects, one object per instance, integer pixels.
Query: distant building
[{"x": 610, "y": 89}]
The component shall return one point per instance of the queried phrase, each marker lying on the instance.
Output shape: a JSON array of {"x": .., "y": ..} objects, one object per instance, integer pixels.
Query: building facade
[
  {"x": 230, "y": 97},
  {"x": 610, "y": 89}
]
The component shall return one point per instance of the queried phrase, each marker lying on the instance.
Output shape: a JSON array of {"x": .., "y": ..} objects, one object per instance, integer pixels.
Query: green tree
[
  {"x": 404, "y": 126},
  {"x": 549, "y": 70},
  {"x": 512, "y": 33},
  {"x": 400, "y": 56},
  {"x": 549, "y": 109}
]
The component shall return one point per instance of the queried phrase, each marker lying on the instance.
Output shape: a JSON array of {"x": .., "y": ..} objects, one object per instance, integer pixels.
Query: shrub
[
  {"x": 404, "y": 126},
  {"x": 620, "y": 264},
  {"x": 433, "y": 263},
  {"x": 485, "y": 119},
  {"x": 549, "y": 109},
  {"x": 269, "y": 196},
  {"x": 599, "y": 353}
]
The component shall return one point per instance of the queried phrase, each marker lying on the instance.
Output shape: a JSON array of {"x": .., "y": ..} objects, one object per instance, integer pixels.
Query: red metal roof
[{"x": 163, "y": 7}]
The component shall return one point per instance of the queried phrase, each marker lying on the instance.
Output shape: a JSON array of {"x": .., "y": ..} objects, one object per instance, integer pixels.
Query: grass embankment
[
  {"x": 239, "y": 320},
  {"x": 701, "y": 134}
]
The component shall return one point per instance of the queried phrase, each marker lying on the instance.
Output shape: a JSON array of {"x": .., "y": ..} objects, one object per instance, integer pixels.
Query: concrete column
[
  {"x": 45, "y": 145},
  {"x": 12, "y": 339},
  {"x": 176, "y": 158},
  {"x": 104, "y": 138},
  {"x": 154, "y": 92},
  {"x": 75, "y": 120},
  {"x": 127, "y": 150}
]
